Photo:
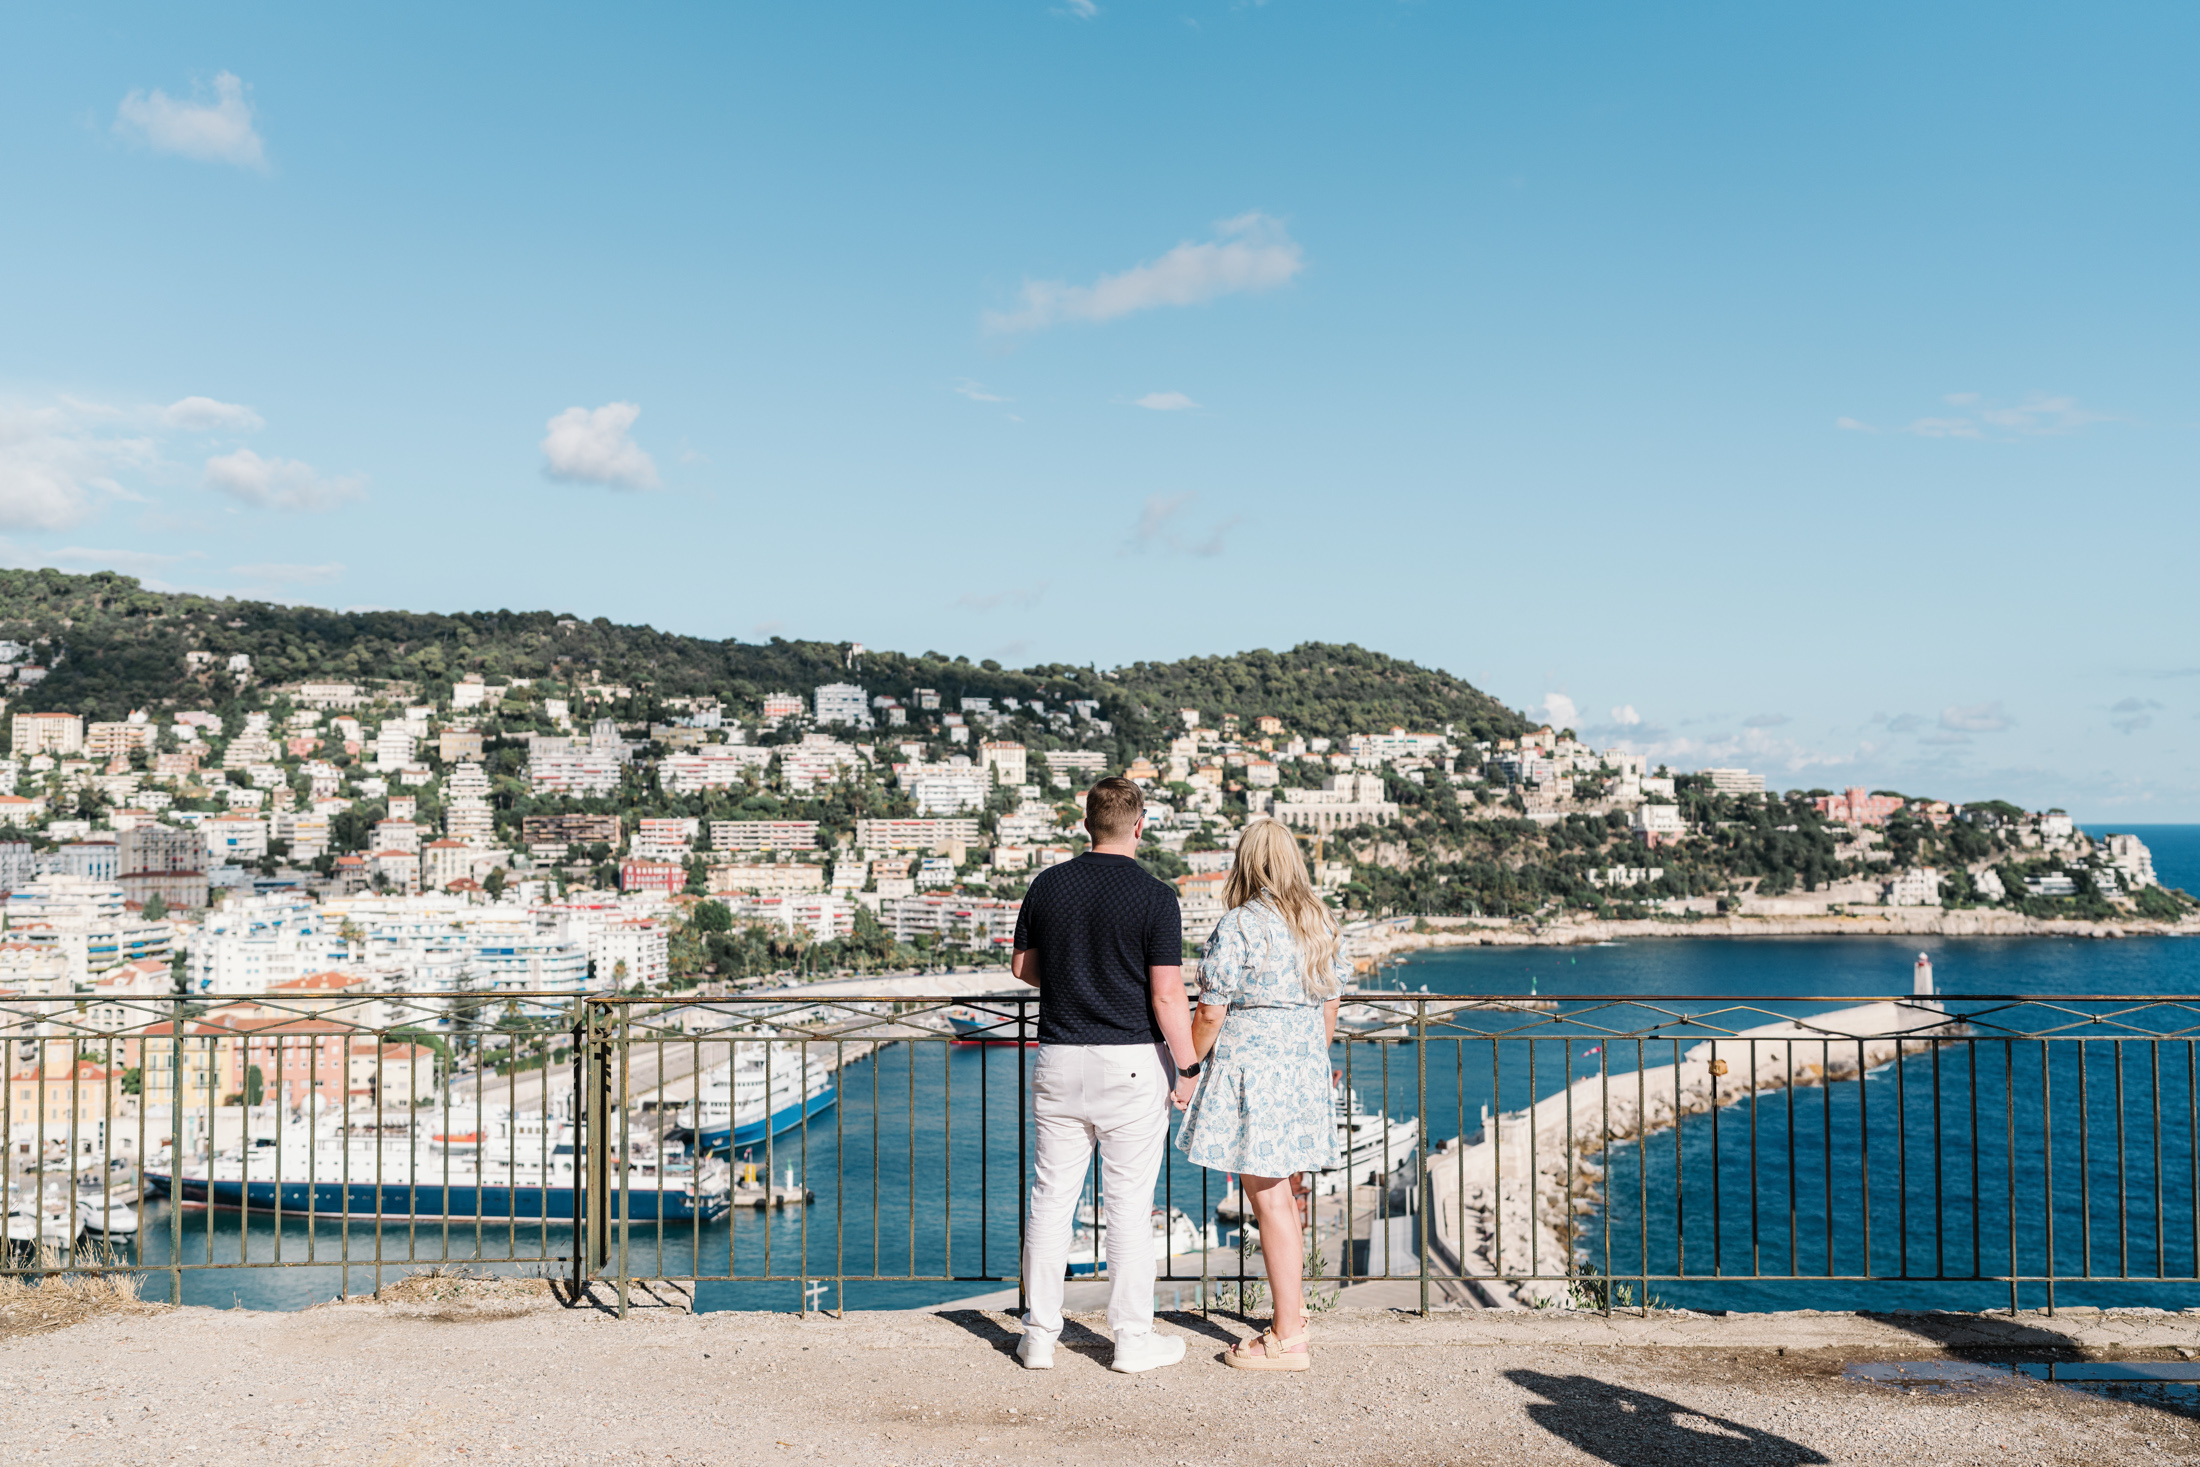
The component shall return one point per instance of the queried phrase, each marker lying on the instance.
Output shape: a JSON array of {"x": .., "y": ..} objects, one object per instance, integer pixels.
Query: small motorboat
[
  {"x": 110, "y": 1217},
  {"x": 51, "y": 1224}
]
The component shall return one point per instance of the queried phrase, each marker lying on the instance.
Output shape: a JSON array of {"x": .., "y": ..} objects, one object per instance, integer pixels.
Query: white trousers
[{"x": 1118, "y": 1096}]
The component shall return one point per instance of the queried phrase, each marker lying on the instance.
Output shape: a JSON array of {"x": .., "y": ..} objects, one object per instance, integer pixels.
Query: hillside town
[{"x": 518, "y": 839}]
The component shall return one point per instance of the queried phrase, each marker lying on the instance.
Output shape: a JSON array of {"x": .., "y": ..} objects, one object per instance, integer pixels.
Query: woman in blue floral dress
[{"x": 1268, "y": 986}]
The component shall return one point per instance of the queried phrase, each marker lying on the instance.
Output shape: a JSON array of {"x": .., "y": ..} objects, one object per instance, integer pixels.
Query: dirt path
[{"x": 450, "y": 1376}]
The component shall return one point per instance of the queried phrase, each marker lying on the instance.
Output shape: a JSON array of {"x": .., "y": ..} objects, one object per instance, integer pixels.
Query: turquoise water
[{"x": 888, "y": 1152}]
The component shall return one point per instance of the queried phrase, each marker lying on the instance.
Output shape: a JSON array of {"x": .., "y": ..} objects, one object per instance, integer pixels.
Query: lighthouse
[{"x": 1921, "y": 977}]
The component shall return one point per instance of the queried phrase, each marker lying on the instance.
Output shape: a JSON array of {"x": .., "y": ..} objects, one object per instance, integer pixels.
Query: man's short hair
[{"x": 1112, "y": 807}]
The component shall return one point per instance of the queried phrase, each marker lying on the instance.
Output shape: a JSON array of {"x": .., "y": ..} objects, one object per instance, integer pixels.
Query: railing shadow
[{"x": 1615, "y": 1424}]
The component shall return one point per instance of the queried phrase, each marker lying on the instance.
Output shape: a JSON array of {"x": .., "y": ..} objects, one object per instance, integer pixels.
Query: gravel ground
[{"x": 439, "y": 1373}]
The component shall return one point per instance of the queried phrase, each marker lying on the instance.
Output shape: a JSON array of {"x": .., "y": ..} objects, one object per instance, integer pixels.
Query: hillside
[{"x": 110, "y": 646}]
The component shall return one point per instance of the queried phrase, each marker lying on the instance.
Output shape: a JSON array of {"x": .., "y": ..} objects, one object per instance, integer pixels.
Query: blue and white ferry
[
  {"x": 506, "y": 1166},
  {"x": 740, "y": 1104}
]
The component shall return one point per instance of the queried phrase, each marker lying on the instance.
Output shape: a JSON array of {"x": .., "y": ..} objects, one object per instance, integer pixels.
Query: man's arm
[
  {"x": 1024, "y": 966},
  {"x": 1174, "y": 1015}
]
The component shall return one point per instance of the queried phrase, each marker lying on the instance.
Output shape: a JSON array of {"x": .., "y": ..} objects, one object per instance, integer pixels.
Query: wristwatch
[{"x": 1191, "y": 1069}]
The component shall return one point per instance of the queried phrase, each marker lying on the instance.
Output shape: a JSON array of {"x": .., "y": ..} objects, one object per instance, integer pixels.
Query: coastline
[{"x": 1381, "y": 941}]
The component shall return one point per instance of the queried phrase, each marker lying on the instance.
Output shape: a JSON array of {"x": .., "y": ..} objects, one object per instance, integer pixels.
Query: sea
[{"x": 915, "y": 1169}]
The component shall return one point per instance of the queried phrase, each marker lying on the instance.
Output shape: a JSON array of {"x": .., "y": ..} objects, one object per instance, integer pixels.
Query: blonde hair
[{"x": 1269, "y": 866}]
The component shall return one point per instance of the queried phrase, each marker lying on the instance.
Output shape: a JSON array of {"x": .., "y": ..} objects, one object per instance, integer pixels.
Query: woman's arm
[
  {"x": 1206, "y": 1024},
  {"x": 1329, "y": 1021}
]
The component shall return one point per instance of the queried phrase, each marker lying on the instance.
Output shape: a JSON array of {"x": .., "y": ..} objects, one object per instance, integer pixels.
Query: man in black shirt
[{"x": 1102, "y": 941}]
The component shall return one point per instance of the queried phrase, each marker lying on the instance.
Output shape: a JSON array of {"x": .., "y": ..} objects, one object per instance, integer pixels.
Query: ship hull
[
  {"x": 749, "y": 1133},
  {"x": 403, "y": 1201}
]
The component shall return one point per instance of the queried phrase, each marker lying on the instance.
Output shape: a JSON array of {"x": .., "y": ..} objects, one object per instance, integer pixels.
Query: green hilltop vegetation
[{"x": 112, "y": 646}]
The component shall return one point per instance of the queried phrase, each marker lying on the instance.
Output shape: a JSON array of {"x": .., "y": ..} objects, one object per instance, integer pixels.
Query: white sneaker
[
  {"x": 1146, "y": 1350},
  {"x": 1036, "y": 1350}
]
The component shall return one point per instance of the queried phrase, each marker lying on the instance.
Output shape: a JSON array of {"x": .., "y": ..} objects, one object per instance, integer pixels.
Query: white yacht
[{"x": 1174, "y": 1235}]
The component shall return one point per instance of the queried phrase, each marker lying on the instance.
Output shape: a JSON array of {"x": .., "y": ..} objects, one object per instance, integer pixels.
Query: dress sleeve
[{"x": 1222, "y": 966}]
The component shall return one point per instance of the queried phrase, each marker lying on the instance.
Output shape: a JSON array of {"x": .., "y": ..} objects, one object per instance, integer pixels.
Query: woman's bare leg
[{"x": 1276, "y": 1212}]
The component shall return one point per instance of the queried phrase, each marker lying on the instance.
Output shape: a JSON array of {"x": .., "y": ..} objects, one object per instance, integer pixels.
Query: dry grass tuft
[
  {"x": 447, "y": 1283},
  {"x": 32, "y": 1303}
]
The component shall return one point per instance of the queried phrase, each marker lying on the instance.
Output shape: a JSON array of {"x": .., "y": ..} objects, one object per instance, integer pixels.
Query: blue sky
[{"x": 1806, "y": 387}]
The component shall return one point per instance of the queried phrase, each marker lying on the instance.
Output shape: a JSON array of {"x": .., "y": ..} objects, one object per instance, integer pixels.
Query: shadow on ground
[{"x": 1634, "y": 1428}]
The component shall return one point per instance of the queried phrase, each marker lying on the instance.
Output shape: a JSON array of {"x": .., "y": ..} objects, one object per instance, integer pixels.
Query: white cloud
[
  {"x": 976, "y": 392},
  {"x": 2038, "y": 416},
  {"x": 1154, "y": 518},
  {"x": 1250, "y": 252},
  {"x": 290, "y": 575},
  {"x": 1166, "y": 402},
  {"x": 56, "y": 462},
  {"x": 1851, "y": 425},
  {"x": 278, "y": 483},
  {"x": 205, "y": 415},
  {"x": 2133, "y": 714},
  {"x": 1976, "y": 718},
  {"x": 1559, "y": 711},
  {"x": 219, "y": 131},
  {"x": 1765, "y": 720},
  {"x": 1626, "y": 716},
  {"x": 1081, "y": 9},
  {"x": 591, "y": 446}
]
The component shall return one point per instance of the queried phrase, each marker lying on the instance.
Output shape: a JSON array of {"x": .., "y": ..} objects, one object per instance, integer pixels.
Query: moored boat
[{"x": 763, "y": 1091}]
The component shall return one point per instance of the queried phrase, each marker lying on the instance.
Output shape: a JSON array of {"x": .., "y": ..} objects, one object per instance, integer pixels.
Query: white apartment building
[
  {"x": 634, "y": 952},
  {"x": 842, "y": 703},
  {"x": 1066, "y": 767},
  {"x": 1344, "y": 800},
  {"x": 17, "y": 864},
  {"x": 308, "y": 835},
  {"x": 1394, "y": 744},
  {"x": 48, "y": 733},
  {"x": 819, "y": 760},
  {"x": 947, "y": 789},
  {"x": 763, "y": 835},
  {"x": 1657, "y": 824},
  {"x": 825, "y": 917},
  {"x": 915, "y": 835},
  {"x": 1918, "y": 887},
  {"x": 443, "y": 862},
  {"x": 249, "y": 944},
  {"x": 951, "y": 921},
  {"x": 393, "y": 746},
  {"x": 1735, "y": 781},
  {"x": 397, "y": 835},
  {"x": 575, "y": 773},
  {"x": 1005, "y": 761},
  {"x": 2130, "y": 856},
  {"x": 785, "y": 878},
  {"x": 712, "y": 767},
  {"x": 471, "y": 820},
  {"x": 93, "y": 860},
  {"x": 234, "y": 838}
]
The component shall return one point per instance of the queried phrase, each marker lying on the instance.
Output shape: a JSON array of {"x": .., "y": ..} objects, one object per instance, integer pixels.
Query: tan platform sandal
[{"x": 1271, "y": 1356}]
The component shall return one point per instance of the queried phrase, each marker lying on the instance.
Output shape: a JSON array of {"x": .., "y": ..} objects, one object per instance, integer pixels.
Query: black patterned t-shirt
[{"x": 1098, "y": 923}]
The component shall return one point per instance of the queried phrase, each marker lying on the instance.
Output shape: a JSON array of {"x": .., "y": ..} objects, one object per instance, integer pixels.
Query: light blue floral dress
[{"x": 1263, "y": 1104}]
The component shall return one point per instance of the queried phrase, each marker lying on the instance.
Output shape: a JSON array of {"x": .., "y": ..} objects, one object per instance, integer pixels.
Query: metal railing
[{"x": 1521, "y": 1151}]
